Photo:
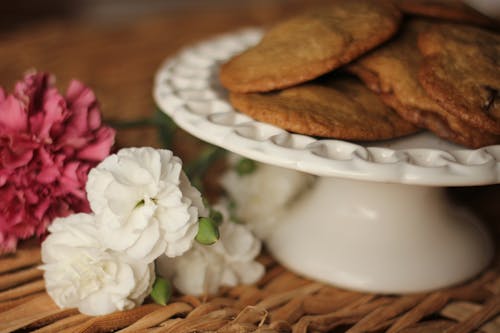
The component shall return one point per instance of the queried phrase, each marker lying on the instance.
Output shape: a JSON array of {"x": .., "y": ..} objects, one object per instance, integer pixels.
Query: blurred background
[
  {"x": 116, "y": 46},
  {"x": 15, "y": 14}
]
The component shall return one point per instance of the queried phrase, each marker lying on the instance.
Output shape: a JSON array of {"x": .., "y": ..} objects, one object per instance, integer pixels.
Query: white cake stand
[{"x": 377, "y": 219}]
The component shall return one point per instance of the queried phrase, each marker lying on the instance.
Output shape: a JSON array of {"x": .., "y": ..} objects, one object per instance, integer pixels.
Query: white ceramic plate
[{"x": 187, "y": 89}]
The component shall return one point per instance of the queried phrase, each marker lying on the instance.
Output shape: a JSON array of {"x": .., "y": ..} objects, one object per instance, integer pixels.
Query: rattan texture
[{"x": 280, "y": 302}]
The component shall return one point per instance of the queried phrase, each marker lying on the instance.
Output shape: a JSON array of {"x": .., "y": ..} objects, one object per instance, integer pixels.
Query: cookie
[
  {"x": 310, "y": 45},
  {"x": 341, "y": 108},
  {"x": 461, "y": 71},
  {"x": 392, "y": 72},
  {"x": 453, "y": 10}
]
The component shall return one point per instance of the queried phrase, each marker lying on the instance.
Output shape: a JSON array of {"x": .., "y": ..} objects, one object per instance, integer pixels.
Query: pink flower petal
[
  {"x": 53, "y": 112},
  {"x": 12, "y": 160},
  {"x": 48, "y": 144},
  {"x": 79, "y": 95},
  {"x": 30, "y": 89},
  {"x": 94, "y": 118},
  {"x": 13, "y": 117},
  {"x": 98, "y": 150}
]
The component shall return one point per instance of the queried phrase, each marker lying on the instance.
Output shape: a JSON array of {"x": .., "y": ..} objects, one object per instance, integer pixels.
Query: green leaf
[
  {"x": 245, "y": 166},
  {"x": 208, "y": 232},
  {"x": 162, "y": 291}
]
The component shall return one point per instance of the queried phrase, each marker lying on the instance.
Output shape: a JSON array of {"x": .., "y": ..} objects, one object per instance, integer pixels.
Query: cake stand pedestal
[
  {"x": 376, "y": 237},
  {"x": 377, "y": 219}
]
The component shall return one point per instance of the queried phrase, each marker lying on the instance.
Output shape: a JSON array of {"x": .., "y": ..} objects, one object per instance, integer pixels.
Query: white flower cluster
[
  {"x": 80, "y": 272},
  {"x": 203, "y": 269},
  {"x": 144, "y": 203},
  {"x": 261, "y": 196},
  {"x": 143, "y": 207}
]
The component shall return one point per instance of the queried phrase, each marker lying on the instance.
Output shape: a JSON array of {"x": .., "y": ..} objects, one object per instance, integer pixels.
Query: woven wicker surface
[
  {"x": 280, "y": 302},
  {"x": 118, "y": 62}
]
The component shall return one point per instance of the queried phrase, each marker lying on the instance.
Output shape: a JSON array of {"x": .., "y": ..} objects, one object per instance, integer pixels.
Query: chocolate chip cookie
[
  {"x": 333, "y": 107},
  {"x": 310, "y": 45},
  {"x": 392, "y": 72},
  {"x": 461, "y": 71}
]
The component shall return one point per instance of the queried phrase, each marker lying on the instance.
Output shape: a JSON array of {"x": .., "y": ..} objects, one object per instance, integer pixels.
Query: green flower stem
[
  {"x": 162, "y": 291},
  {"x": 166, "y": 128},
  {"x": 126, "y": 124}
]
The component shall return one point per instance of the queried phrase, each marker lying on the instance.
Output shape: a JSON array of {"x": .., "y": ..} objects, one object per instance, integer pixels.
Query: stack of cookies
[{"x": 373, "y": 70}]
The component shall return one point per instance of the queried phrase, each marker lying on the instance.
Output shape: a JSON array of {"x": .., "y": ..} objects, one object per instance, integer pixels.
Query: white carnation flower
[
  {"x": 196, "y": 272},
  {"x": 239, "y": 247},
  {"x": 203, "y": 269},
  {"x": 144, "y": 203},
  {"x": 263, "y": 195},
  {"x": 81, "y": 273}
]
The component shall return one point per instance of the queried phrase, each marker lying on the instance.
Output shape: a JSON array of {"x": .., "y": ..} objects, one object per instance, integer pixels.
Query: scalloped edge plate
[{"x": 187, "y": 89}]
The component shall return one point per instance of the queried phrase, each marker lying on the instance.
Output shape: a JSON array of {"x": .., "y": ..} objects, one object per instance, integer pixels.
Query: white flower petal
[
  {"x": 171, "y": 167},
  {"x": 248, "y": 272},
  {"x": 193, "y": 194},
  {"x": 80, "y": 272},
  {"x": 229, "y": 278},
  {"x": 97, "y": 304},
  {"x": 122, "y": 199},
  {"x": 148, "y": 161},
  {"x": 192, "y": 274},
  {"x": 203, "y": 269},
  {"x": 196, "y": 273},
  {"x": 117, "y": 239},
  {"x": 184, "y": 243},
  {"x": 262, "y": 196},
  {"x": 149, "y": 246},
  {"x": 97, "y": 182},
  {"x": 142, "y": 185},
  {"x": 145, "y": 277},
  {"x": 238, "y": 243}
]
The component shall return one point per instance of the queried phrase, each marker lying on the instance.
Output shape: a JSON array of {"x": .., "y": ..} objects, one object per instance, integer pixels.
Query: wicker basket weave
[{"x": 280, "y": 302}]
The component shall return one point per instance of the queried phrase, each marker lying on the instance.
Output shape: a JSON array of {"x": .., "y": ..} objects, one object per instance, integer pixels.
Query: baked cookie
[
  {"x": 310, "y": 45},
  {"x": 453, "y": 10},
  {"x": 461, "y": 71},
  {"x": 392, "y": 72},
  {"x": 339, "y": 107}
]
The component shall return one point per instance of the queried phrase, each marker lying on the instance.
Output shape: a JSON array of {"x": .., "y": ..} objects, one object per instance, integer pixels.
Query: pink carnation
[{"x": 48, "y": 144}]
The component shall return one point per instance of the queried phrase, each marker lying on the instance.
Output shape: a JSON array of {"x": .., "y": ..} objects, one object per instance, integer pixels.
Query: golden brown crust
[
  {"x": 445, "y": 126},
  {"x": 461, "y": 71},
  {"x": 453, "y": 10},
  {"x": 307, "y": 46},
  {"x": 392, "y": 71},
  {"x": 336, "y": 108}
]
